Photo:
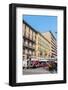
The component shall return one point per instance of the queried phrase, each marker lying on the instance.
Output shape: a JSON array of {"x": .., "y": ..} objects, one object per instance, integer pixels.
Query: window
[
  {"x": 27, "y": 31},
  {"x": 30, "y": 44},
  {"x": 30, "y": 52},
  {"x": 26, "y": 51},
  {"x": 34, "y": 36},
  {"x": 26, "y": 42},
  {"x": 30, "y": 34}
]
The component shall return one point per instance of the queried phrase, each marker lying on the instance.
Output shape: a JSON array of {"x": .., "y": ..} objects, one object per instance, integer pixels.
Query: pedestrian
[{"x": 29, "y": 62}]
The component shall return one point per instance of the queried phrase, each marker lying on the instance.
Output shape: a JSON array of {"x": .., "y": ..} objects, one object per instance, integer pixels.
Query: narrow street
[{"x": 37, "y": 71}]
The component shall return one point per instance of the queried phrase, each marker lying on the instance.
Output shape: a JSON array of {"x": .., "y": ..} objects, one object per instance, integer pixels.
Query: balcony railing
[
  {"x": 28, "y": 46},
  {"x": 28, "y": 38}
]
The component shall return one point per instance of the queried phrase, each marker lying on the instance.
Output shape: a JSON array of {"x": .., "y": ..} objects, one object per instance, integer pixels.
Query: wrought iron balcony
[{"x": 28, "y": 46}]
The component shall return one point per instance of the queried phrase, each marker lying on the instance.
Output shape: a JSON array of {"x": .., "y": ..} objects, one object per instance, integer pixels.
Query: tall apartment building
[
  {"x": 42, "y": 46},
  {"x": 29, "y": 40},
  {"x": 53, "y": 43},
  {"x": 37, "y": 44}
]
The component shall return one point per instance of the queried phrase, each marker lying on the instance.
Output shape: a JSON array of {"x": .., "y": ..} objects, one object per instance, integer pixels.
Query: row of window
[
  {"x": 54, "y": 42},
  {"x": 54, "y": 51},
  {"x": 54, "y": 45},
  {"x": 52, "y": 37},
  {"x": 43, "y": 43},
  {"x": 29, "y": 33},
  {"x": 54, "y": 48},
  {"x": 27, "y": 43},
  {"x": 27, "y": 51}
]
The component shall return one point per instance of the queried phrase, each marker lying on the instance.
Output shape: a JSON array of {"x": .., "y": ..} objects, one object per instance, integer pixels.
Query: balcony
[
  {"x": 28, "y": 46},
  {"x": 29, "y": 38}
]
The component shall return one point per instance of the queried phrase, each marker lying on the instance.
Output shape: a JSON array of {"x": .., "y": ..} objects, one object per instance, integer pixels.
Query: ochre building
[
  {"x": 38, "y": 44},
  {"x": 53, "y": 43}
]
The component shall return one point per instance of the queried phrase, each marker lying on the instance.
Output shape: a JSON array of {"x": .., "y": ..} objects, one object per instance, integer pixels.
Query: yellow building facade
[
  {"x": 38, "y": 44},
  {"x": 53, "y": 43},
  {"x": 42, "y": 46}
]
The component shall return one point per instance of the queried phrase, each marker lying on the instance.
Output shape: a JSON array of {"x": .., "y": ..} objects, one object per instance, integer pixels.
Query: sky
[{"x": 42, "y": 24}]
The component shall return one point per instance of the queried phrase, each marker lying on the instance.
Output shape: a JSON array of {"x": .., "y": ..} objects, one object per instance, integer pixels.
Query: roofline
[
  {"x": 52, "y": 35},
  {"x": 29, "y": 26},
  {"x": 34, "y": 29}
]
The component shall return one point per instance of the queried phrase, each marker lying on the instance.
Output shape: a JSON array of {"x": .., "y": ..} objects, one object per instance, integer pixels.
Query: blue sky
[{"x": 42, "y": 23}]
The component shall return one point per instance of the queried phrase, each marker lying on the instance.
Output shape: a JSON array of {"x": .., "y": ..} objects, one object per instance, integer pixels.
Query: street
[{"x": 37, "y": 71}]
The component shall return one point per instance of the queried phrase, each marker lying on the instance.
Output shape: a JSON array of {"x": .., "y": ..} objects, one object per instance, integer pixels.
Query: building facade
[
  {"x": 29, "y": 40},
  {"x": 53, "y": 43},
  {"x": 38, "y": 44},
  {"x": 42, "y": 46}
]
